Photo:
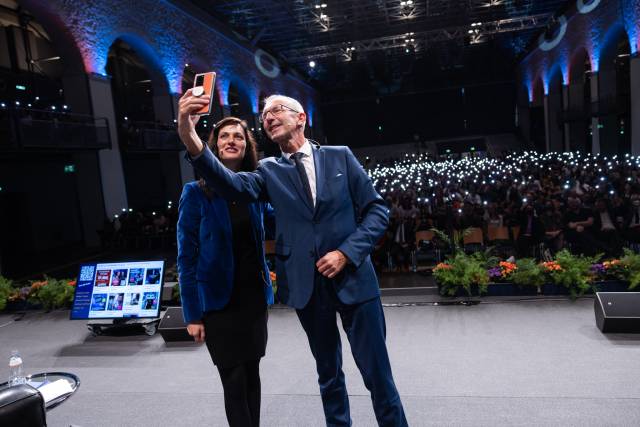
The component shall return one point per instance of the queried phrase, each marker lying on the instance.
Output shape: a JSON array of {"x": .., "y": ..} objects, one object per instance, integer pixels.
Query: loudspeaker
[
  {"x": 618, "y": 312},
  {"x": 172, "y": 326}
]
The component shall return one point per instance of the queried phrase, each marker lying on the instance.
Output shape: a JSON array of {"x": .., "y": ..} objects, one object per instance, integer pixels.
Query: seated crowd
[
  {"x": 587, "y": 203},
  {"x": 141, "y": 229}
]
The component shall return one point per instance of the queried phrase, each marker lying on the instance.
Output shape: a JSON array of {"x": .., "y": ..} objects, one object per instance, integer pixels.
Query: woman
[{"x": 224, "y": 281}]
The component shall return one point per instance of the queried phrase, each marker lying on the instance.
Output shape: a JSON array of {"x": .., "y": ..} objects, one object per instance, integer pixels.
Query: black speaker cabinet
[
  {"x": 618, "y": 312},
  {"x": 172, "y": 326}
]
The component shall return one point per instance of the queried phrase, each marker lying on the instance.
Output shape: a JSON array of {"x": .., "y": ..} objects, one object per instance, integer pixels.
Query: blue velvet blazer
[{"x": 205, "y": 253}]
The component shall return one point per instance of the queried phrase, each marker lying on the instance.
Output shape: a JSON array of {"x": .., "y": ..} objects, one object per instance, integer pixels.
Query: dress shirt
[{"x": 309, "y": 166}]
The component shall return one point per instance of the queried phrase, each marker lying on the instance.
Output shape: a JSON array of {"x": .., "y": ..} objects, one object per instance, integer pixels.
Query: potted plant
[
  {"x": 569, "y": 274},
  {"x": 500, "y": 277},
  {"x": 528, "y": 277},
  {"x": 631, "y": 261},
  {"x": 610, "y": 276},
  {"x": 52, "y": 293},
  {"x": 6, "y": 288},
  {"x": 461, "y": 274}
]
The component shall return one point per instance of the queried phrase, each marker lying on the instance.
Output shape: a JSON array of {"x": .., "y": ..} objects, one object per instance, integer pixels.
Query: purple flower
[
  {"x": 597, "y": 268},
  {"x": 495, "y": 272}
]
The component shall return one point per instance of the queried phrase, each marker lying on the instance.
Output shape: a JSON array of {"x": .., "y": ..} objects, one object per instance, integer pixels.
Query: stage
[{"x": 540, "y": 362}]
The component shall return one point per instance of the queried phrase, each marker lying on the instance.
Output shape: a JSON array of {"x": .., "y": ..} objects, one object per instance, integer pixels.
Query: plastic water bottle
[{"x": 16, "y": 376}]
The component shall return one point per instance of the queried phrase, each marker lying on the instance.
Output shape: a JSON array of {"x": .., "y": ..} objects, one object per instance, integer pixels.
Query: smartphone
[{"x": 203, "y": 85}]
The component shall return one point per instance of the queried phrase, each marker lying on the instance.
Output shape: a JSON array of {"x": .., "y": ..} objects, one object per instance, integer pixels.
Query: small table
[{"x": 38, "y": 380}]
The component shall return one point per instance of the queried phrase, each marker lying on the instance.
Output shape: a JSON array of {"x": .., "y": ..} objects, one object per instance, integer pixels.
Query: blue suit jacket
[
  {"x": 349, "y": 215},
  {"x": 205, "y": 252}
]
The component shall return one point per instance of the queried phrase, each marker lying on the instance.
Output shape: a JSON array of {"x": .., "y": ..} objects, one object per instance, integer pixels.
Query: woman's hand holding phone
[{"x": 188, "y": 105}]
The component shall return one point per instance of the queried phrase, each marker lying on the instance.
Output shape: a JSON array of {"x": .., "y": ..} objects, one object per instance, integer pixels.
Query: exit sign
[{"x": 69, "y": 168}]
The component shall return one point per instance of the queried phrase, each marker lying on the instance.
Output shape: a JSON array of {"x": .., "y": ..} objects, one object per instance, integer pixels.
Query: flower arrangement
[
  {"x": 461, "y": 271},
  {"x": 529, "y": 273},
  {"x": 503, "y": 271},
  {"x": 6, "y": 288},
  {"x": 571, "y": 271},
  {"x": 50, "y": 293}
]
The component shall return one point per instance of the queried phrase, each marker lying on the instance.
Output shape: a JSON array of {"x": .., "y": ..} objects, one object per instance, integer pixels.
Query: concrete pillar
[
  {"x": 524, "y": 123},
  {"x": 577, "y": 128},
  {"x": 595, "y": 122},
  {"x": 554, "y": 106},
  {"x": 566, "y": 127},
  {"x": 608, "y": 124},
  {"x": 111, "y": 171},
  {"x": 547, "y": 138},
  {"x": 635, "y": 105},
  {"x": 91, "y": 196}
]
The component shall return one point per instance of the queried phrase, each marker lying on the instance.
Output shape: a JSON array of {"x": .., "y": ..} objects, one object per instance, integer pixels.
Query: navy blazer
[
  {"x": 205, "y": 251},
  {"x": 349, "y": 216}
]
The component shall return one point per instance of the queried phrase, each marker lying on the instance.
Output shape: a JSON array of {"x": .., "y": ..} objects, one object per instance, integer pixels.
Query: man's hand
[
  {"x": 196, "y": 330},
  {"x": 331, "y": 264},
  {"x": 187, "y": 120}
]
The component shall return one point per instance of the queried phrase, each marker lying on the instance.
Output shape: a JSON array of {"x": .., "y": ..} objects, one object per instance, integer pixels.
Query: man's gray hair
[{"x": 286, "y": 100}]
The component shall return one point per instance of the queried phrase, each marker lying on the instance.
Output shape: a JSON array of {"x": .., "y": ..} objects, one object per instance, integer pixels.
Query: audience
[{"x": 587, "y": 203}]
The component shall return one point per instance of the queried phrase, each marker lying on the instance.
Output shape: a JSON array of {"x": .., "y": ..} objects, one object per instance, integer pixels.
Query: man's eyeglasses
[{"x": 276, "y": 110}]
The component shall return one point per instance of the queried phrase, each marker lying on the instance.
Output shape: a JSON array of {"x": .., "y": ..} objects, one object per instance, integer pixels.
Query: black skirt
[
  {"x": 238, "y": 333},
  {"x": 235, "y": 335}
]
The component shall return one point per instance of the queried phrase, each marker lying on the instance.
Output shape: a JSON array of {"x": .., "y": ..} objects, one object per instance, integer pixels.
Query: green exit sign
[{"x": 69, "y": 168}]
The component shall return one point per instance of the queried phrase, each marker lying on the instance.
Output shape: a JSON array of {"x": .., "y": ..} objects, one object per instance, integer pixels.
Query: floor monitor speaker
[
  {"x": 618, "y": 312},
  {"x": 172, "y": 326}
]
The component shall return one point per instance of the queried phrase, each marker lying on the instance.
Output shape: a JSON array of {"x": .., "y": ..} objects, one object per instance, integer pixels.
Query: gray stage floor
[{"x": 535, "y": 363}]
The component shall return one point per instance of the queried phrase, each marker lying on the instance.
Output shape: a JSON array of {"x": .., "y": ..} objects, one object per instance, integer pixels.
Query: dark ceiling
[{"x": 379, "y": 46}]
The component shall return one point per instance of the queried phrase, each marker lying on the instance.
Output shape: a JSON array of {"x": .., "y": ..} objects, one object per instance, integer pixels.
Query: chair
[
  {"x": 424, "y": 249},
  {"x": 515, "y": 232},
  {"x": 22, "y": 405},
  {"x": 497, "y": 233},
  {"x": 473, "y": 240}
]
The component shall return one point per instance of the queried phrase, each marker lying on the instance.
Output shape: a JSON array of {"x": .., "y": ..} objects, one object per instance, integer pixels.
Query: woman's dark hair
[{"x": 250, "y": 159}]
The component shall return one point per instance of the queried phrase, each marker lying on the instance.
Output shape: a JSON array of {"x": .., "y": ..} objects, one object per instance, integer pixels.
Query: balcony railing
[
  {"x": 22, "y": 128},
  {"x": 149, "y": 136}
]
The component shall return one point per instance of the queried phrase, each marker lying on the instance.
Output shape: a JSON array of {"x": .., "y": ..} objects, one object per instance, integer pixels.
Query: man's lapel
[
  {"x": 318, "y": 160},
  {"x": 291, "y": 172}
]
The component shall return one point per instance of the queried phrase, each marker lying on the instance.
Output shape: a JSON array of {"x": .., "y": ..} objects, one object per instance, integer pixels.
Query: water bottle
[{"x": 16, "y": 375}]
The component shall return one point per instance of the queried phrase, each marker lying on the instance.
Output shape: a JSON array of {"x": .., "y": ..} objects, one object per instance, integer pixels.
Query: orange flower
[
  {"x": 72, "y": 282},
  {"x": 552, "y": 266},
  {"x": 443, "y": 266},
  {"x": 37, "y": 285},
  {"x": 272, "y": 276}
]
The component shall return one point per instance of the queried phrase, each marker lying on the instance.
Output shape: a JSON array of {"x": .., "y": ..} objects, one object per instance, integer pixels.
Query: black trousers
[{"x": 241, "y": 384}]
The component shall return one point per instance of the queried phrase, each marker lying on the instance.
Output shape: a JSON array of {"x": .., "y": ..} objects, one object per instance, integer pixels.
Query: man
[
  {"x": 578, "y": 228},
  {"x": 328, "y": 220}
]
